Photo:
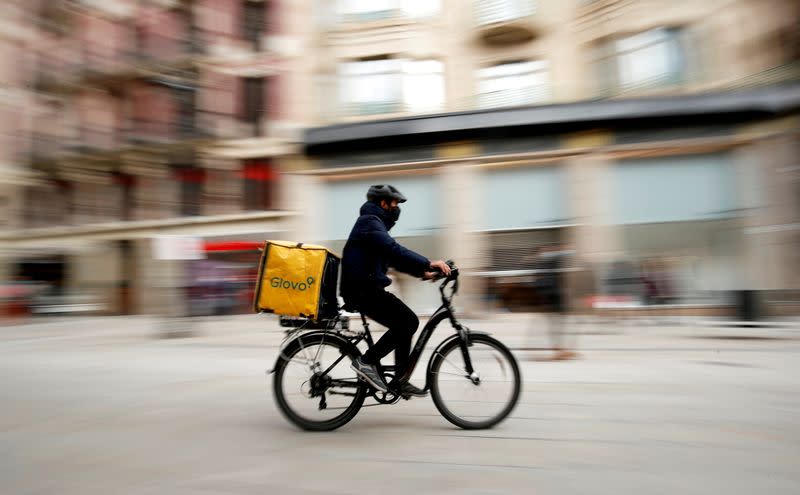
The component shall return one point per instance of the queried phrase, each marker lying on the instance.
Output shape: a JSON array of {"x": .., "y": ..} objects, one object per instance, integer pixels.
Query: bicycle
[{"x": 473, "y": 362}]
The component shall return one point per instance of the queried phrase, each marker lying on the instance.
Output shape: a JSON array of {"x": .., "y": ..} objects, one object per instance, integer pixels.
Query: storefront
[{"x": 677, "y": 222}]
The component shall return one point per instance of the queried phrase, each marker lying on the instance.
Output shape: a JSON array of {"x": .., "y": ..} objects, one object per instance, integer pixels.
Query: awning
[{"x": 746, "y": 104}]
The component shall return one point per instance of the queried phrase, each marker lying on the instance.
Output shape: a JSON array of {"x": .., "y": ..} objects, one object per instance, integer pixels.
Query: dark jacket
[
  {"x": 369, "y": 253},
  {"x": 550, "y": 280}
]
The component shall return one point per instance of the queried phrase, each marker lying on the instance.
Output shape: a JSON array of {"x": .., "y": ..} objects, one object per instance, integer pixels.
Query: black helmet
[{"x": 385, "y": 191}]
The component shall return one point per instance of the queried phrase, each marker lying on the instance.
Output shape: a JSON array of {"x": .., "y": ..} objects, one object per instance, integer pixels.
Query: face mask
[{"x": 394, "y": 213}]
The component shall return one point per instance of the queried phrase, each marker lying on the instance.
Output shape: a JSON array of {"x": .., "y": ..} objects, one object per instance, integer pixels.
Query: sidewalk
[{"x": 517, "y": 330}]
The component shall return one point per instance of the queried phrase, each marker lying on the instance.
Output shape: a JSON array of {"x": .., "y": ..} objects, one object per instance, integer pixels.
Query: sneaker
[
  {"x": 369, "y": 373},
  {"x": 408, "y": 390}
]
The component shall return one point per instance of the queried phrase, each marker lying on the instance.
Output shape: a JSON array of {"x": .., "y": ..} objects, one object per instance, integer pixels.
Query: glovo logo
[{"x": 278, "y": 282}]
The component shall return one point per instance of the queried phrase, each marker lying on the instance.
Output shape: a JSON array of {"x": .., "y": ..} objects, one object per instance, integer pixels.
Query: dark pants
[{"x": 389, "y": 311}]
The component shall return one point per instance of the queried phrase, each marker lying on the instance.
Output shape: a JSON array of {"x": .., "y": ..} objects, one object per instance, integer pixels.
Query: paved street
[{"x": 103, "y": 406}]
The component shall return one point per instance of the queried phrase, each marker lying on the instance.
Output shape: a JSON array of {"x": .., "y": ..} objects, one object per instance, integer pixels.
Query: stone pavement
[{"x": 100, "y": 405}]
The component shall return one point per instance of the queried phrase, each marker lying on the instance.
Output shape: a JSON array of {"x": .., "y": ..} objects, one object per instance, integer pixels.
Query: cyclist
[{"x": 368, "y": 254}]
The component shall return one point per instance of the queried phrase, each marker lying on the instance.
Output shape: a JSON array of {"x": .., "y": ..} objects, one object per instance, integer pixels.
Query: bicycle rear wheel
[
  {"x": 483, "y": 399},
  {"x": 314, "y": 386}
]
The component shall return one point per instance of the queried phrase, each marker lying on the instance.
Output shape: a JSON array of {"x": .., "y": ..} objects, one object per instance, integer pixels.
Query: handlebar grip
[{"x": 453, "y": 269}]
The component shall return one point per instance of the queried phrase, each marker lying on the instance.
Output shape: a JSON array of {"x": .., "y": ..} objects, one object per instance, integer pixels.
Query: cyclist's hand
[
  {"x": 441, "y": 267},
  {"x": 432, "y": 276}
]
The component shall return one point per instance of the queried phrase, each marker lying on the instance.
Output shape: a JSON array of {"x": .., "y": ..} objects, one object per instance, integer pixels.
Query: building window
[
  {"x": 418, "y": 9},
  {"x": 184, "y": 98},
  {"x": 52, "y": 203},
  {"x": 191, "y": 180},
  {"x": 423, "y": 86},
  {"x": 513, "y": 83},
  {"x": 253, "y": 19},
  {"x": 253, "y": 104},
  {"x": 194, "y": 39},
  {"x": 259, "y": 177},
  {"x": 127, "y": 195},
  {"x": 646, "y": 60},
  {"x": 371, "y": 87},
  {"x": 373, "y": 10},
  {"x": 223, "y": 191},
  {"x": 387, "y": 85}
]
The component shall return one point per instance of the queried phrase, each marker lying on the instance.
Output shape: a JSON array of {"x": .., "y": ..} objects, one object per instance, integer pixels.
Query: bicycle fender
[
  {"x": 449, "y": 339},
  {"x": 349, "y": 346},
  {"x": 436, "y": 351}
]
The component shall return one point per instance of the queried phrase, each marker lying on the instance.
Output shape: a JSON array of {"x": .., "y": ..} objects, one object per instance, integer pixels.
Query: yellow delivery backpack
[{"x": 296, "y": 279}]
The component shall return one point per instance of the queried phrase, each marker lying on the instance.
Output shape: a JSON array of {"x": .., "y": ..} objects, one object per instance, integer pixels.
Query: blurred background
[
  {"x": 147, "y": 146},
  {"x": 623, "y": 162}
]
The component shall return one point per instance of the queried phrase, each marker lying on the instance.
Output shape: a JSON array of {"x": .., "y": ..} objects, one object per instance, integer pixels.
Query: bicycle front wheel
[
  {"x": 314, "y": 386},
  {"x": 480, "y": 399}
]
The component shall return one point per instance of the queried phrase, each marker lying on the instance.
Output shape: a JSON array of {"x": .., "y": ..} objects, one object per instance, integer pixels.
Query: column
[
  {"x": 463, "y": 208},
  {"x": 768, "y": 187},
  {"x": 303, "y": 195},
  {"x": 595, "y": 237}
]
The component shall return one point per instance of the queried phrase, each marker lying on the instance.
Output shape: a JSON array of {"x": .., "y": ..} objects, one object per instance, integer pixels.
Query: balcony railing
[
  {"x": 531, "y": 95},
  {"x": 46, "y": 146},
  {"x": 494, "y": 11},
  {"x": 98, "y": 139},
  {"x": 371, "y": 16},
  {"x": 158, "y": 47},
  {"x": 150, "y": 131},
  {"x": 506, "y": 21},
  {"x": 374, "y": 108}
]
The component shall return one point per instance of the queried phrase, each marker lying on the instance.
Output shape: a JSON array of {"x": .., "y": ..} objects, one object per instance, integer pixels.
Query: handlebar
[{"x": 453, "y": 277}]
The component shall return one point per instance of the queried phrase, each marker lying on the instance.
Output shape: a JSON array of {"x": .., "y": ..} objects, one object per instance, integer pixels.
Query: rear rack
[{"x": 341, "y": 322}]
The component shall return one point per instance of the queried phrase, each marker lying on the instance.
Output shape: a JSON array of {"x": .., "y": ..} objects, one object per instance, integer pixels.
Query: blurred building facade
[
  {"x": 144, "y": 119},
  {"x": 657, "y": 139}
]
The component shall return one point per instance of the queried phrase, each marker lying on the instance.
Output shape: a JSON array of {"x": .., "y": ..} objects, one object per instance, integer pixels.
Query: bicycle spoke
[
  {"x": 300, "y": 361},
  {"x": 460, "y": 375},
  {"x": 446, "y": 360},
  {"x": 318, "y": 356},
  {"x": 305, "y": 354}
]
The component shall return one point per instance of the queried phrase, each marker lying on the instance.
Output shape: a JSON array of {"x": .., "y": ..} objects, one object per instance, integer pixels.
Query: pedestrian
[{"x": 550, "y": 283}]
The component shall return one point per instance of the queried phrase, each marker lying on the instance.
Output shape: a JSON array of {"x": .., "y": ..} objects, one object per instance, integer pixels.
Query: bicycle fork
[{"x": 464, "y": 344}]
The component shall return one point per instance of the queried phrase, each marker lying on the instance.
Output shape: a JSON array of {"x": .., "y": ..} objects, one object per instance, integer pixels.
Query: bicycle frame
[{"x": 445, "y": 311}]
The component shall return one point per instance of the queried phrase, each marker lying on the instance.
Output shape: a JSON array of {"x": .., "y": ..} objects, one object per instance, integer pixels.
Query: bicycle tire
[
  {"x": 440, "y": 403},
  {"x": 290, "y": 351}
]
